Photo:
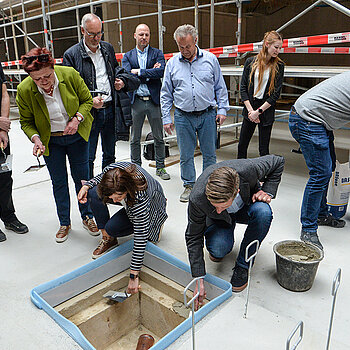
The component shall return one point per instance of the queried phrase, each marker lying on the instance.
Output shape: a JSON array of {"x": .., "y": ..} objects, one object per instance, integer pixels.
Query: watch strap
[{"x": 133, "y": 276}]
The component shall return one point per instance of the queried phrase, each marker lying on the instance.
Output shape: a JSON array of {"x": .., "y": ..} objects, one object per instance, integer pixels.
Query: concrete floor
[{"x": 34, "y": 258}]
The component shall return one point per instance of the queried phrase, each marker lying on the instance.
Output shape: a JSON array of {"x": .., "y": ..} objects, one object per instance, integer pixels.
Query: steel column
[
  {"x": 160, "y": 25},
  {"x": 212, "y": 14},
  {"x": 120, "y": 26}
]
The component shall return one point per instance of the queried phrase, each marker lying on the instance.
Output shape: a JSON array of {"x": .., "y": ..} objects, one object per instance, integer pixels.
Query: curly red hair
[{"x": 36, "y": 64}]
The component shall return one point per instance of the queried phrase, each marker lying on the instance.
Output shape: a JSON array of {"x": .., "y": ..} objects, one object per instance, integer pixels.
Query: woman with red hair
[
  {"x": 260, "y": 89},
  {"x": 54, "y": 105}
]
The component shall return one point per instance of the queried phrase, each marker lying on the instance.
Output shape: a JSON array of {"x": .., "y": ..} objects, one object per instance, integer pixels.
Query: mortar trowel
[
  {"x": 117, "y": 296},
  {"x": 36, "y": 167}
]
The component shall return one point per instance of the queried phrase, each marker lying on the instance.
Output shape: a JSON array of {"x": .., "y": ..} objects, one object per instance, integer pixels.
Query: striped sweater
[{"x": 147, "y": 215}]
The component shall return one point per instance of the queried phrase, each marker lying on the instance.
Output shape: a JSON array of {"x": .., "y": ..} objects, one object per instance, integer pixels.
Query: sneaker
[
  {"x": 239, "y": 279},
  {"x": 311, "y": 237},
  {"x": 90, "y": 225},
  {"x": 161, "y": 172},
  {"x": 2, "y": 236},
  {"x": 17, "y": 226},
  {"x": 62, "y": 233},
  {"x": 185, "y": 196},
  {"x": 105, "y": 245},
  {"x": 331, "y": 221}
]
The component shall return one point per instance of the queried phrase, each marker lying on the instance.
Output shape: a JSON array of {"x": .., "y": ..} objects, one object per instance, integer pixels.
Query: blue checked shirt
[
  {"x": 142, "y": 59},
  {"x": 193, "y": 86}
]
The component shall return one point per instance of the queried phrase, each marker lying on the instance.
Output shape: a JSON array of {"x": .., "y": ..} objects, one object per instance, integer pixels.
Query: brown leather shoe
[
  {"x": 90, "y": 225},
  {"x": 106, "y": 244},
  {"x": 62, "y": 233},
  {"x": 214, "y": 259}
]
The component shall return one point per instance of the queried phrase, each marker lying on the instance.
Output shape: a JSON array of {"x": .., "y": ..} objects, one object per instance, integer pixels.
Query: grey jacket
[{"x": 267, "y": 169}]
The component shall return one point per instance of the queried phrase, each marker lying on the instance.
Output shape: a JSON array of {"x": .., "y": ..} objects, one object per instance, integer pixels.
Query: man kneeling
[{"x": 230, "y": 192}]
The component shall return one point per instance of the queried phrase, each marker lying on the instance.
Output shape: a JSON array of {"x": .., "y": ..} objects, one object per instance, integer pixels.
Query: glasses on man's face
[
  {"x": 43, "y": 58},
  {"x": 93, "y": 35}
]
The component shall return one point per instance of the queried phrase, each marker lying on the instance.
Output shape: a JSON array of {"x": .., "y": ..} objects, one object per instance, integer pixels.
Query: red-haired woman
[
  {"x": 54, "y": 106},
  {"x": 143, "y": 213},
  {"x": 260, "y": 89}
]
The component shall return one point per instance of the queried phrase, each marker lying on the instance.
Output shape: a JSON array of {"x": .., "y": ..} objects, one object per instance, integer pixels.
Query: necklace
[{"x": 50, "y": 92}]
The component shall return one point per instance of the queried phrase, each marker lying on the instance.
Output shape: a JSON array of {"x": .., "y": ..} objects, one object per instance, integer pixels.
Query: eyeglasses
[
  {"x": 43, "y": 58},
  {"x": 92, "y": 35}
]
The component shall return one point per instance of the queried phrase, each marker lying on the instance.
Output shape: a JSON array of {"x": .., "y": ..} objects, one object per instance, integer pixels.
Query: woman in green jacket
[{"x": 54, "y": 105}]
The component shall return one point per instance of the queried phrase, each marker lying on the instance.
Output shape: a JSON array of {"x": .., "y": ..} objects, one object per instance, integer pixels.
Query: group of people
[{"x": 65, "y": 109}]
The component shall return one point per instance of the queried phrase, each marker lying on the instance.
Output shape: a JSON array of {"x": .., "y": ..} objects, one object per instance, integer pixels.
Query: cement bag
[{"x": 338, "y": 190}]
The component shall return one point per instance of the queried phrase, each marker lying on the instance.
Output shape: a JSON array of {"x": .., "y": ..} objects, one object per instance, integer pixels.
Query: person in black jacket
[
  {"x": 260, "y": 89},
  {"x": 95, "y": 60}
]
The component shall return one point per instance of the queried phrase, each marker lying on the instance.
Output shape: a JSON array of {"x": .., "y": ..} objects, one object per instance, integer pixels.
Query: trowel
[
  {"x": 5, "y": 160},
  {"x": 36, "y": 167},
  {"x": 117, "y": 296}
]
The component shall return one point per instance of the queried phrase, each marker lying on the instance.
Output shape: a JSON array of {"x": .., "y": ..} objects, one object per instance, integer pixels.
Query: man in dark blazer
[
  {"x": 230, "y": 192},
  {"x": 148, "y": 64}
]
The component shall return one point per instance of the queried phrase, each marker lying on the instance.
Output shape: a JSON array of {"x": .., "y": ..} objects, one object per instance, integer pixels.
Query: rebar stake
[
  {"x": 335, "y": 286},
  {"x": 192, "y": 302},
  {"x": 299, "y": 326},
  {"x": 250, "y": 260}
]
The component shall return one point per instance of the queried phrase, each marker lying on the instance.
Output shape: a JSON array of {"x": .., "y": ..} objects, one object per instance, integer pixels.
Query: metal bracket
[{"x": 299, "y": 326}]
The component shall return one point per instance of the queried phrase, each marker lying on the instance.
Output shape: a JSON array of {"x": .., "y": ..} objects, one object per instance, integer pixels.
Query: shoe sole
[
  {"x": 20, "y": 233},
  {"x": 239, "y": 289},
  {"x": 109, "y": 249},
  {"x": 184, "y": 200},
  {"x": 92, "y": 233}
]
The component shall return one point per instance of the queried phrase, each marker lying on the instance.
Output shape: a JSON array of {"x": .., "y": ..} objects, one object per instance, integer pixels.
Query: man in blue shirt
[
  {"x": 148, "y": 64},
  {"x": 193, "y": 82}
]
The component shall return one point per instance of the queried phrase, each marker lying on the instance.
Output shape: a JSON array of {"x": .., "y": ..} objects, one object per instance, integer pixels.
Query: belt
[
  {"x": 144, "y": 98},
  {"x": 57, "y": 133},
  {"x": 107, "y": 104},
  {"x": 199, "y": 112}
]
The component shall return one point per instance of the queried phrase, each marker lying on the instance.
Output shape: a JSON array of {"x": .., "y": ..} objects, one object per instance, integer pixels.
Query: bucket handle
[{"x": 299, "y": 326}]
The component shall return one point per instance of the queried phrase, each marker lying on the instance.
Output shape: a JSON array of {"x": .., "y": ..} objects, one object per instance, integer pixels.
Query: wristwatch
[
  {"x": 79, "y": 117},
  {"x": 260, "y": 110},
  {"x": 133, "y": 276}
]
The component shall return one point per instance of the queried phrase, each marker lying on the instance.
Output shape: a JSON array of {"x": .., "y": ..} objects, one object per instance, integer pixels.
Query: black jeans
[
  {"x": 7, "y": 210},
  {"x": 246, "y": 134}
]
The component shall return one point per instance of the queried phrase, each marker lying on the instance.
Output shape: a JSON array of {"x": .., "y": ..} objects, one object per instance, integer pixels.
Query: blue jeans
[
  {"x": 118, "y": 225},
  {"x": 76, "y": 148},
  {"x": 314, "y": 141},
  {"x": 219, "y": 237},
  {"x": 103, "y": 124},
  {"x": 187, "y": 126}
]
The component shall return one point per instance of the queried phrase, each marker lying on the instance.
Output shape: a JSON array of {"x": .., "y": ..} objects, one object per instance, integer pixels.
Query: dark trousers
[
  {"x": 118, "y": 225},
  {"x": 246, "y": 134},
  {"x": 103, "y": 124},
  {"x": 76, "y": 149},
  {"x": 7, "y": 210}
]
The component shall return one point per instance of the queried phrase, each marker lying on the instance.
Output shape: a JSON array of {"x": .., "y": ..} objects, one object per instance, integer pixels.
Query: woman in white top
[{"x": 260, "y": 89}]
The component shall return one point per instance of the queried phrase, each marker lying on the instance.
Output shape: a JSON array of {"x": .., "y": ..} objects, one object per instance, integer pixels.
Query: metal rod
[
  {"x": 299, "y": 326},
  {"x": 26, "y": 44},
  {"x": 160, "y": 25},
  {"x": 335, "y": 286},
  {"x": 296, "y": 86},
  {"x": 212, "y": 21},
  {"x": 249, "y": 259},
  {"x": 298, "y": 16},
  {"x": 338, "y": 7},
  {"x": 192, "y": 302},
  {"x": 196, "y": 13},
  {"x": 14, "y": 34},
  {"x": 45, "y": 24},
  {"x": 120, "y": 26},
  {"x": 78, "y": 21},
  {"x": 52, "y": 49}
]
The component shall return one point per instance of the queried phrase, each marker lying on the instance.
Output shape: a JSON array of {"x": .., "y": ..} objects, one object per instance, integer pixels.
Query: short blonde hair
[{"x": 223, "y": 184}]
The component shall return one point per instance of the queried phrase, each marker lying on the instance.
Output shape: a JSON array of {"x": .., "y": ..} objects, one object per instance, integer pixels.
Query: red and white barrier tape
[{"x": 289, "y": 46}]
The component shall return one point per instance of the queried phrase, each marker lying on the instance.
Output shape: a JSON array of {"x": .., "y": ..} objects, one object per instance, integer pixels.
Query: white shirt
[
  {"x": 102, "y": 81},
  {"x": 260, "y": 94},
  {"x": 57, "y": 112}
]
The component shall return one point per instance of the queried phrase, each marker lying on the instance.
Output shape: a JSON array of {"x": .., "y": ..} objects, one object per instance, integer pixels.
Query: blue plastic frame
[{"x": 164, "y": 342}]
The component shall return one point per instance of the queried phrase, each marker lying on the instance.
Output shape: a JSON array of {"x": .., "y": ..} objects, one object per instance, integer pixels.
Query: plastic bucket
[{"x": 297, "y": 264}]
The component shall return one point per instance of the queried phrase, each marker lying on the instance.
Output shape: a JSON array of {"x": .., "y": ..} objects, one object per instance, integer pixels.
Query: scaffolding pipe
[
  {"x": 212, "y": 18},
  {"x": 196, "y": 14},
  {"x": 160, "y": 25},
  {"x": 78, "y": 21},
  {"x": 14, "y": 34},
  {"x": 50, "y": 32},
  {"x": 45, "y": 24},
  {"x": 26, "y": 44},
  {"x": 120, "y": 26},
  {"x": 338, "y": 7}
]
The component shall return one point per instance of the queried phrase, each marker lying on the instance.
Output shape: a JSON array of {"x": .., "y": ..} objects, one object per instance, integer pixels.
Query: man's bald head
[{"x": 142, "y": 36}]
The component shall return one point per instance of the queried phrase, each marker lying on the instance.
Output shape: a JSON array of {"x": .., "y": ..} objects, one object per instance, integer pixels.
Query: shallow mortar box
[{"x": 163, "y": 278}]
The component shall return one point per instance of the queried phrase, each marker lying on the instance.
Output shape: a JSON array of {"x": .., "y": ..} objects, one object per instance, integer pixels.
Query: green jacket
[{"x": 34, "y": 116}]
